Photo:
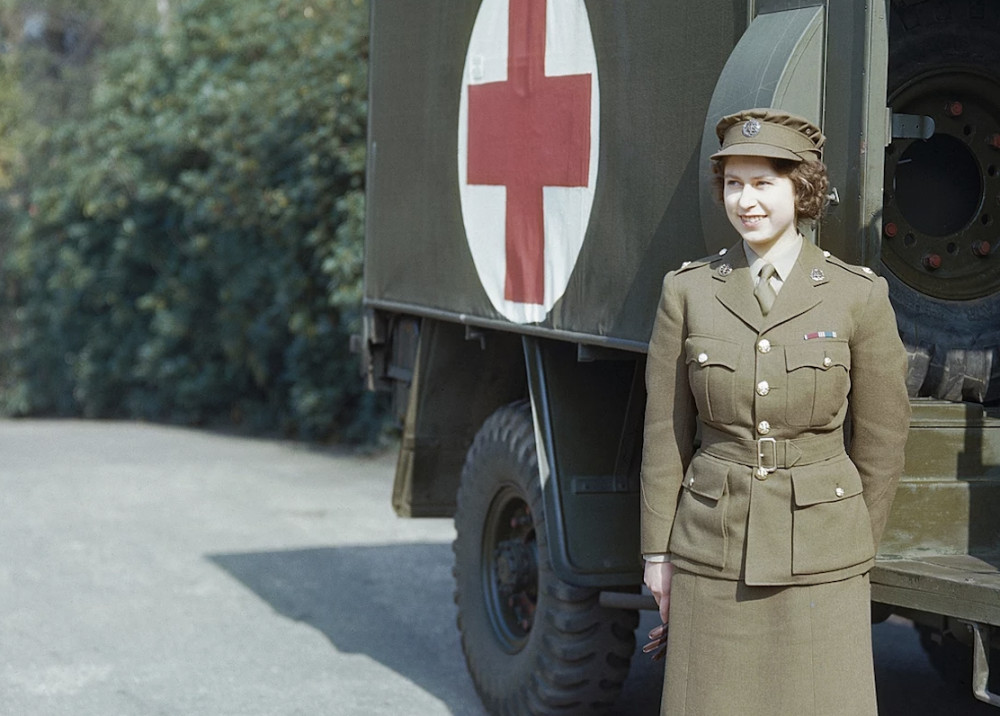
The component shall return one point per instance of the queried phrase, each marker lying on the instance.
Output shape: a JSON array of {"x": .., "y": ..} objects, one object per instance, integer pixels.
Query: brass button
[
  {"x": 703, "y": 357},
  {"x": 839, "y": 492},
  {"x": 764, "y": 345},
  {"x": 827, "y": 362},
  {"x": 763, "y": 427},
  {"x": 760, "y": 473},
  {"x": 763, "y": 388}
]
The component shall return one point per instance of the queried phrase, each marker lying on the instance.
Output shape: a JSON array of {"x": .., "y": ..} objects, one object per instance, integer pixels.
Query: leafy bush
[{"x": 194, "y": 248}]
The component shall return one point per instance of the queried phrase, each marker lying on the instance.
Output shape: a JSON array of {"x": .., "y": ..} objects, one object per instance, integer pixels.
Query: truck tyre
[
  {"x": 533, "y": 643},
  {"x": 942, "y": 198}
]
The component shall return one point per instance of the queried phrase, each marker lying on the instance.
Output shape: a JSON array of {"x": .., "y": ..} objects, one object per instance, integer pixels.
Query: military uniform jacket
[{"x": 772, "y": 496}]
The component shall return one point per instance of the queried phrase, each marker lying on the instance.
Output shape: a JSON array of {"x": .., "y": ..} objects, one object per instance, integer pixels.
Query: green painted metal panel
[
  {"x": 588, "y": 417},
  {"x": 949, "y": 498}
]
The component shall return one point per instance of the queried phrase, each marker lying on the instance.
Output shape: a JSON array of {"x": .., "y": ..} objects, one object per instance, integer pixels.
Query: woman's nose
[{"x": 747, "y": 197}]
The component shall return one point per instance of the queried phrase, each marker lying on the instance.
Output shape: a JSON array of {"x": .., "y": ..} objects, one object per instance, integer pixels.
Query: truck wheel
[
  {"x": 533, "y": 643},
  {"x": 941, "y": 210}
]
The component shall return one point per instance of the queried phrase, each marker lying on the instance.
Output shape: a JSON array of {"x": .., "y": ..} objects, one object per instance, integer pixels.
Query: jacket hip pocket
[
  {"x": 700, "y": 531},
  {"x": 831, "y": 528}
]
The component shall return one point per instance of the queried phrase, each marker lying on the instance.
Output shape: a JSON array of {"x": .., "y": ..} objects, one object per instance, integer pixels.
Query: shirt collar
[{"x": 781, "y": 256}]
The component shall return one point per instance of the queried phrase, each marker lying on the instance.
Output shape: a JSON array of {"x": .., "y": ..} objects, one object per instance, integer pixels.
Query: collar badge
[
  {"x": 725, "y": 270},
  {"x": 817, "y": 274}
]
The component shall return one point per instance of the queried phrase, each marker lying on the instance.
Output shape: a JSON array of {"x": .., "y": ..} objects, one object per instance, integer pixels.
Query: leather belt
[{"x": 770, "y": 454}]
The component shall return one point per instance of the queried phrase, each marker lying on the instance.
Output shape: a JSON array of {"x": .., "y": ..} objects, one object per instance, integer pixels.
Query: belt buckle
[{"x": 764, "y": 469}]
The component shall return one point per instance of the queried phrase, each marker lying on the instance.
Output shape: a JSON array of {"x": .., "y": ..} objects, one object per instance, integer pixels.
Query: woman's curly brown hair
[{"x": 809, "y": 180}]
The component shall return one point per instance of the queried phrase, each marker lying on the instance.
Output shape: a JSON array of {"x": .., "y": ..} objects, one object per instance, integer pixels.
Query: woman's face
[{"x": 760, "y": 202}]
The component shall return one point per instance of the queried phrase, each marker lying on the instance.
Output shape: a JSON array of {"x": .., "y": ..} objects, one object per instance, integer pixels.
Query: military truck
[{"x": 535, "y": 168}]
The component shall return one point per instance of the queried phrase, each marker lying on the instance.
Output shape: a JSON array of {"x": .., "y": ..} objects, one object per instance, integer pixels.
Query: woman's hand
[{"x": 657, "y": 577}]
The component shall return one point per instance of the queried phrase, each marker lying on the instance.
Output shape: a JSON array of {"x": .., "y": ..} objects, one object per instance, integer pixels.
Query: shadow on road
[{"x": 392, "y": 603}]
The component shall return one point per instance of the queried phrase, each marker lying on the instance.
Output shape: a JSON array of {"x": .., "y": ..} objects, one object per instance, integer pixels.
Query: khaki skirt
[{"x": 769, "y": 651}]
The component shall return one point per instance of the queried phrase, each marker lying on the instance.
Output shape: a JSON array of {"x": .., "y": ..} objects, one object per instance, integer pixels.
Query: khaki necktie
[{"x": 765, "y": 291}]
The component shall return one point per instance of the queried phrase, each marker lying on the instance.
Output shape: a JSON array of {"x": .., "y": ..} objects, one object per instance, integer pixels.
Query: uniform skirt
[{"x": 775, "y": 651}]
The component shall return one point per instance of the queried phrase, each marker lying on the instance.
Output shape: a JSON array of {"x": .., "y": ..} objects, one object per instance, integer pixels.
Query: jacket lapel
[{"x": 735, "y": 287}]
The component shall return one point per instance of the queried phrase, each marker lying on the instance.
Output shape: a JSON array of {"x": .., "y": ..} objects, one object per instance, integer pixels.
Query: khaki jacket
[{"x": 813, "y": 513}]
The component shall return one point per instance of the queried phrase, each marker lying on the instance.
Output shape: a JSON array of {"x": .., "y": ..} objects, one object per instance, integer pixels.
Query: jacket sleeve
[
  {"x": 879, "y": 405},
  {"x": 668, "y": 434}
]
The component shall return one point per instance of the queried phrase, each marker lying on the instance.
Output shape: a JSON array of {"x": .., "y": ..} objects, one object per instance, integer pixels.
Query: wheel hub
[
  {"x": 515, "y": 567},
  {"x": 942, "y": 195},
  {"x": 510, "y": 568}
]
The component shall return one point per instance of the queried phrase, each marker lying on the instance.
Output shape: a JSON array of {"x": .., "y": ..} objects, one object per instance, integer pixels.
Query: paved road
[{"x": 152, "y": 570}]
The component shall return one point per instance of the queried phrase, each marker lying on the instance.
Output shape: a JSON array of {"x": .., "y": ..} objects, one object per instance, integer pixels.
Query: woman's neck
[{"x": 784, "y": 243}]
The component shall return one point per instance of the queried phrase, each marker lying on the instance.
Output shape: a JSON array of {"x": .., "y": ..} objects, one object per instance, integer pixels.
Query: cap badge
[
  {"x": 725, "y": 270},
  {"x": 751, "y": 128},
  {"x": 817, "y": 274}
]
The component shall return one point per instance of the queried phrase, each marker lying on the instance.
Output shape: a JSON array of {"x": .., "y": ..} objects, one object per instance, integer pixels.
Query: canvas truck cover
[
  {"x": 539, "y": 166},
  {"x": 543, "y": 175}
]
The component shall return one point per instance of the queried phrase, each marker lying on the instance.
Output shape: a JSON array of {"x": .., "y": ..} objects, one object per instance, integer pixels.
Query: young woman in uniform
[{"x": 758, "y": 544}]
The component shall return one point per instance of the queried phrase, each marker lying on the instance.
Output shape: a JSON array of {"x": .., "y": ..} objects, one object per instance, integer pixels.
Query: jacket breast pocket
[
  {"x": 712, "y": 365},
  {"x": 831, "y": 528},
  {"x": 700, "y": 531},
  {"x": 818, "y": 381}
]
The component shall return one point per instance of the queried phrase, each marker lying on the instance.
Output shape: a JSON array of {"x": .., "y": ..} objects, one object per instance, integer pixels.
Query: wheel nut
[
  {"x": 981, "y": 248},
  {"x": 931, "y": 262},
  {"x": 890, "y": 229},
  {"x": 954, "y": 108}
]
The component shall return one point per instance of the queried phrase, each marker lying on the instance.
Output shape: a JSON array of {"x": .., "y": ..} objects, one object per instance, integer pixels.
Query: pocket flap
[
  {"x": 707, "y": 477},
  {"x": 826, "y": 481},
  {"x": 822, "y": 355},
  {"x": 711, "y": 351}
]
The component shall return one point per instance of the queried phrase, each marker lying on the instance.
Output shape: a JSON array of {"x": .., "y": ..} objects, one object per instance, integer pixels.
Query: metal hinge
[{"x": 910, "y": 126}]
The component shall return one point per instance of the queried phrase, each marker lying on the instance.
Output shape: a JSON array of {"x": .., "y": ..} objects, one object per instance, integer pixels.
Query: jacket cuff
[{"x": 656, "y": 557}]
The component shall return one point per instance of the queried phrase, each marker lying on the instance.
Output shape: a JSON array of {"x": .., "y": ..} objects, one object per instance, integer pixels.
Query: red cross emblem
[{"x": 529, "y": 131}]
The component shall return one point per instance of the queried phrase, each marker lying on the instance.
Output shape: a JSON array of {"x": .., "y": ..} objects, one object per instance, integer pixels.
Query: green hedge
[{"x": 194, "y": 247}]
